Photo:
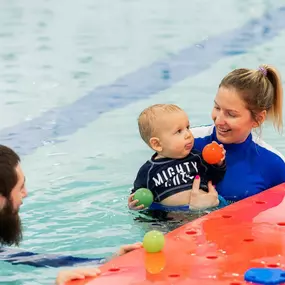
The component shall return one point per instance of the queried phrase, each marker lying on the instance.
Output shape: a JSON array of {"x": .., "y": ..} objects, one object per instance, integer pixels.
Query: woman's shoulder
[
  {"x": 269, "y": 153},
  {"x": 271, "y": 162}
]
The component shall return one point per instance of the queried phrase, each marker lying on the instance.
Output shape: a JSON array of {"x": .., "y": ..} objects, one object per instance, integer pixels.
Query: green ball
[
  {"x": 144, "y": 196},
  {"x": 153, "y": 241}
]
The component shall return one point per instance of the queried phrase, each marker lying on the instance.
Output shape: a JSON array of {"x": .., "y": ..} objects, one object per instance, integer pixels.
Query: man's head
[
  {"x": 165, "y": 128},
  {"x": 12, "y": 192}
]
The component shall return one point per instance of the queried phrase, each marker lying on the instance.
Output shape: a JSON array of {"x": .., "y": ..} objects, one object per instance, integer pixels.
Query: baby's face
[{"x": 175, "y": 137}]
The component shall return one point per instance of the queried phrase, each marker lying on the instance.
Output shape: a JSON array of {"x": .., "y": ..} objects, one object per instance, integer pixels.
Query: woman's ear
[
  {"x": 155, "y": 144},
  {"x": 260, "y": 118}
]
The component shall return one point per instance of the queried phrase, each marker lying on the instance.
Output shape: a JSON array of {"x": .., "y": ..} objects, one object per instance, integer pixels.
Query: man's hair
[
  {"x": 8, "y": 176},
  {"x": 148, "y": 117}
]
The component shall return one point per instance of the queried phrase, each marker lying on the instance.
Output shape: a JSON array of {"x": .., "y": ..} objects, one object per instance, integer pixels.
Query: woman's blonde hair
[{"x": 260, "y": 90}]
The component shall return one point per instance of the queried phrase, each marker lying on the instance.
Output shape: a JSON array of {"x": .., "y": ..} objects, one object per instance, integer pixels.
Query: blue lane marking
[{"x": 27, "y": 136}]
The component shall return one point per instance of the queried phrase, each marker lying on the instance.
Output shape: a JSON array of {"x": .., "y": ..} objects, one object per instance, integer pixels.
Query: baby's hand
[
  {"x": 224, "y": 154},
  {"x": 132, "y": 203}
]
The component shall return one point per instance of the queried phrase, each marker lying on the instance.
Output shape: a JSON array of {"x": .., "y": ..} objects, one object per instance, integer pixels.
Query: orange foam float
[{"x": 215, "y": 249}]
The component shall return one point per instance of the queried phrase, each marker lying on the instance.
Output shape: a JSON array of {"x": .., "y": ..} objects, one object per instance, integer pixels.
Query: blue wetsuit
[{"x": 252, "y": 166}]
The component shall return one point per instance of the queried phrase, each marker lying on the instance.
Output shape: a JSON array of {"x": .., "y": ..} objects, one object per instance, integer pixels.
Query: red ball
[{"x": 212, "y": 153}]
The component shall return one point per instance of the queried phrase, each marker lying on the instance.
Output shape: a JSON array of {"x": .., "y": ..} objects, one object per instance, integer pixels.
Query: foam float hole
[
  {"x": 191, "y": 232},
  {"x": 282, "y": 274},
  {"x": 114, "y": 269},
  {"x": 273, "y": 265},
  {"x": 173, "y": 275},
  {"x": 282, "y": 224},
  {"x": 260, "y": 202},
  {"x": 212, "y": 257},
  {"x": 226, "y": 216},
  {"x": 248, "y": 239}
]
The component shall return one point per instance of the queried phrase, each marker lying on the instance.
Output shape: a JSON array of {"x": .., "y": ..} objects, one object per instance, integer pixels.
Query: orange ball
[{"x": 212, "y": 153}]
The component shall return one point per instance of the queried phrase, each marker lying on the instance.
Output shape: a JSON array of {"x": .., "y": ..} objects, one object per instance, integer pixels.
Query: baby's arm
[{"x": 216, "y": 173}]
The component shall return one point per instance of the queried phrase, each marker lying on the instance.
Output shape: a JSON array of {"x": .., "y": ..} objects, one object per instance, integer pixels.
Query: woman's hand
[{"x": 199, "y": 199}]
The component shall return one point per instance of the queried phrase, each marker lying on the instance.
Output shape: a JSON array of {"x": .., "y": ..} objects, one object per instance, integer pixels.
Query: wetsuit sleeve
[
  {"x": 215, "y": 172},
  {"x": 141, "y": 179}
]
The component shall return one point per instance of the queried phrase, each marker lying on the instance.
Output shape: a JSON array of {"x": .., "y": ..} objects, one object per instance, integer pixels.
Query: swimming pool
[{"x": 74, "y": 77}]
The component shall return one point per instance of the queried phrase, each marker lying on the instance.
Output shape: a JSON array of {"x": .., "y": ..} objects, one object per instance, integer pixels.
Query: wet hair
[
  {"x": 260, "y": 90},
  {"x": 148, "y": 117},
  {"x": 8, "y": 175}
]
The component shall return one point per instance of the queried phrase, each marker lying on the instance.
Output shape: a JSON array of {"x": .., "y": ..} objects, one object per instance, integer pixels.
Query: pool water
[{"x": 75, "y": 76}]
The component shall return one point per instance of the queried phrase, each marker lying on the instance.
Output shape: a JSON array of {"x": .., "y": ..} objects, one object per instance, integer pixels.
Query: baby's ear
[{"x": 155, "y": 144}]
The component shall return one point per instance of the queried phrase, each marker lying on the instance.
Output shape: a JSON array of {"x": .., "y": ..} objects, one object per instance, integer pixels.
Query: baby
[{"x": 170, "y": 172}]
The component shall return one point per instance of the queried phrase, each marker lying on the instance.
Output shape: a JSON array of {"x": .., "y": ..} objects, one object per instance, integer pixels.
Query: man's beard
[{"x": 10, "y": 225}]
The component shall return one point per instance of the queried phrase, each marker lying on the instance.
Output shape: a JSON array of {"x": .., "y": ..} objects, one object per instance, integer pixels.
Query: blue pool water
[{"x": 74, "y": 77}]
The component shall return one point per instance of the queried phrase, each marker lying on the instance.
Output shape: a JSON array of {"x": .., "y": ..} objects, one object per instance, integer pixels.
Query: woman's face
[{"x": 232, "y": 119}]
